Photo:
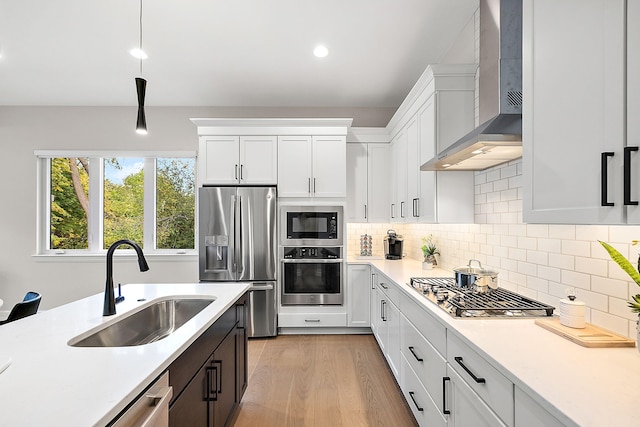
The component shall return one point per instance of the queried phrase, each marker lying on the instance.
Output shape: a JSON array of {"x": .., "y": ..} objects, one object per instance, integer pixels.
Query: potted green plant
[
  {"x": 429, "y": 252},
  {"x": 634, "y": 273}
]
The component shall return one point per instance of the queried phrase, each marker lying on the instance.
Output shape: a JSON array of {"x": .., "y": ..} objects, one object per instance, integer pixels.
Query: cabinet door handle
[
  {"x": 627, "y": 176},
  {"x": 401, "y": 209},
  {"x": 416, "y": 207},
  {"x": 314, "y": 186},
  {"x": 414, "y": 402},
  {"x": 236, "y": 172},
  {"x": 309, "y": 185},
  {"x": 384, "y": 315},
  {"x": 384, "y": 286},
  {"x": 312, "y": 320},
  {"x": 444, "y": 395},
  {"x": 218, "y": 377},
  {"x": 393, "y": 209},
  {"x": 604, "y": 174},
  {"x": 477, "y": 379},
  {"x": 241, "y": 172},
  {"x": 419, "y": 359},
  {"x": 211, "y": 390},
  {"x": 373, "y": 281},
  {"x": 365, "y": 211}
]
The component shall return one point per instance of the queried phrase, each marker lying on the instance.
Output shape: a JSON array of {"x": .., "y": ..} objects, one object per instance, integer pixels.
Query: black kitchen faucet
[{"x": 109, "y": 300}]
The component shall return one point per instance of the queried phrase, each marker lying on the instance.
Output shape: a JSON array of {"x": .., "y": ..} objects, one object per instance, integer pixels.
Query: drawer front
[
  {"x": 425, "y": 410},
  {"x": 426, "y": 362},
  {"x": 312, "y": 320},
  {"x": 493, "y": 387},
  {"x": 429, "y": 327},
  {"x": 389, "y": 288}
]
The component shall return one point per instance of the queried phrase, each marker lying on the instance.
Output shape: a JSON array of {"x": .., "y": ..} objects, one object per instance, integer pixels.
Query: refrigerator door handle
[{"x": 238, "y": 237}]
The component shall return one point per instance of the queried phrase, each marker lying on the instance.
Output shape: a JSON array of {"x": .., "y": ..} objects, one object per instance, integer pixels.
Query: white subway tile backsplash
[
  {"x": 537, "y": 260},
  {"x": 562, "y": 231},
  {"x": 575, "y": 279},
  {"x": 613, "y": 287},
  {"x": 597, "y": 267},
  {"x": 575, "y": 247}
]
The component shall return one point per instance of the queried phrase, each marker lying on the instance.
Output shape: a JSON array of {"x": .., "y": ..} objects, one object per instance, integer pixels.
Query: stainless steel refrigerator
[{"x": 237, "y": 243}]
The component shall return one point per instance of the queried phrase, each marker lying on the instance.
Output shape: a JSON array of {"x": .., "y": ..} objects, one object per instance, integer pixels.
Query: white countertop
[
  {"x": 588, "y": 386},
  {"x": 51, "y": 383}
]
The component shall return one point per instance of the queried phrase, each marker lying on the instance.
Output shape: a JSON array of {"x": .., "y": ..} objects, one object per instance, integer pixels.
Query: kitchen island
[
  {"x": 51, "y": 383},
  {"x": 576, "y": 386}
]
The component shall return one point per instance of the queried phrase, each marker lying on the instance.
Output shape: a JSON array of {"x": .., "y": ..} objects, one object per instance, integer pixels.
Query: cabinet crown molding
[{"x": 264, "y": 126}]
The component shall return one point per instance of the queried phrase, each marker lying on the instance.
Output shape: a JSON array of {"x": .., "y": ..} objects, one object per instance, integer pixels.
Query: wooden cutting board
[{"x": 589, "y": 336}]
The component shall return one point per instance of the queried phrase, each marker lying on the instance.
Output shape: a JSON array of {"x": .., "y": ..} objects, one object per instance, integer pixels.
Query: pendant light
[{"x": 141, "y": 88}]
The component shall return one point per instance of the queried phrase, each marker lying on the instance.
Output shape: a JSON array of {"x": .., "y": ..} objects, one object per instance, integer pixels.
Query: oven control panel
[{"x": 312, "y": 252}]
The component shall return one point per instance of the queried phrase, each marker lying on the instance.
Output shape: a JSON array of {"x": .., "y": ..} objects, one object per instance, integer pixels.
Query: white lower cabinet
[
  {"x": 464, "y": 407},
  {"x": 529, "y": 413},
  {"x": 424, "y": 409},
  {"x": 386, "y": 323},
  {"x": 487, "y": 382},
  {"x": 423, "y": 370},
  {"x": 358, "y": 295}
]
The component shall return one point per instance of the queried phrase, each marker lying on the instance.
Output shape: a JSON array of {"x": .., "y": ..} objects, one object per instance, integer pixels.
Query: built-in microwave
[{"x": 311, "y": 225}]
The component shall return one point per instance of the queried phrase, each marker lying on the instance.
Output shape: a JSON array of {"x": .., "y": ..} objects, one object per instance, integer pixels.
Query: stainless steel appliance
[
  {"x": 237, "y": 242},
  {"x": 312, "y": 276},
  {"x": 467, "y": 303},
  {"x": 311, "y": 225},
  {"x": 392, "y": 245}
]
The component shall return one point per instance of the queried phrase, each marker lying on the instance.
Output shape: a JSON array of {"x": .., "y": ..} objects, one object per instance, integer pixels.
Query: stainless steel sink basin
[{"x": 152, "y": 323}]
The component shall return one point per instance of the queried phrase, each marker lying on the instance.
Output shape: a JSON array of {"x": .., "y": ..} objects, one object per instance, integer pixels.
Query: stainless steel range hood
[{"x": 499, "y": 138}]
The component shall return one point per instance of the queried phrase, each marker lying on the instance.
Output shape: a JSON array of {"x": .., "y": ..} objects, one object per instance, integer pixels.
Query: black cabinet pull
[
  {"x": 627, "y": 176},
  {"x": 393, "y": 210},
  {"x": 415, "y": 355},
  {"x": 211, "y": 390},
  {"x": 444, "y": 395},
  {"x": 241, "y": 172},
  {"x": 373, "y": 281},
  {"x": 383, "y": 286},
  {"x": 365, "y": 211},
  {"x": 414, "y": 402},
  {"x": 604, "y": 185},
  {"x": 218, "y": 378},
  {"x": 479, "y": 380},
  {"x": 383, "y": 315},
  {"x": 401, "y": 209},
  {"x": 416, "y": 208},
  {"x": 236, "y": 175}
]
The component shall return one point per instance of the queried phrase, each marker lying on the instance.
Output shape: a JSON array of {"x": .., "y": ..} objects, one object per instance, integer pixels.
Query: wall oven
[
  {"x": 311, "y": 225},
  {"x": 312, "y": 276}
]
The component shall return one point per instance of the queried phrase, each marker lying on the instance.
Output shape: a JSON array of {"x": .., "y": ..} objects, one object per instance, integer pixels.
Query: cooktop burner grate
[{"x": 465, "y": 302}]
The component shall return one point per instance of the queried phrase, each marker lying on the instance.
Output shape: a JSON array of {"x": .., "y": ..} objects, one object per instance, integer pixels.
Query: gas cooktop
[{"x": 467, "y": 303}]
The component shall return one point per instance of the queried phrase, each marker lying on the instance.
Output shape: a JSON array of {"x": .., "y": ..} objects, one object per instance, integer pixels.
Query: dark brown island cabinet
[{"x": 210, "y": 377}]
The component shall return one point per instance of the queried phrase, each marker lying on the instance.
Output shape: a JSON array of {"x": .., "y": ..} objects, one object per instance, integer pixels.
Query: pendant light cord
[{"x": 141, "y": 38}]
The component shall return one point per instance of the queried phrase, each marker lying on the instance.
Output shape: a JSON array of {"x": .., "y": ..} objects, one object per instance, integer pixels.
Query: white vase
[{"x": 427, "y": 266}]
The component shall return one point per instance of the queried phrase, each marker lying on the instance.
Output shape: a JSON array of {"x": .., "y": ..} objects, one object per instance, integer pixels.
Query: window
[{"x": 90, "y": 200}]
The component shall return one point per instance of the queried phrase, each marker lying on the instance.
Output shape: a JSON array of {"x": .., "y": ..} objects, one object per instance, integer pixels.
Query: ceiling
[{"x": 223, "y": 52}]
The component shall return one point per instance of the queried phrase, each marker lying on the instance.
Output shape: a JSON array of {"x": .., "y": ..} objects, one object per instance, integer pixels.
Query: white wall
[
  {"x": 25, "y": 129},
  {"x": 537, "y": 260}
]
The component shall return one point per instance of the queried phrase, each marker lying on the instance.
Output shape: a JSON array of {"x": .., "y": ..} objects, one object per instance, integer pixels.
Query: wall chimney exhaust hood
[{"x": 499, "y": 138}]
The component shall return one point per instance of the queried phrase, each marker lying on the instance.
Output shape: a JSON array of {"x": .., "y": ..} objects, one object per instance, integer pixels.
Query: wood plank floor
[{"x": 320, "y": 380}]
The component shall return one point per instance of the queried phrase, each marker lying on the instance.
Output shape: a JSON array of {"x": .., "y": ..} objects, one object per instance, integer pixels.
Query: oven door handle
[{"x": 312, "y": 261}]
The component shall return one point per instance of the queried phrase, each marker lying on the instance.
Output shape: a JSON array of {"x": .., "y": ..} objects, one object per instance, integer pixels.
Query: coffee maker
[{"x": 392, "y": 245}]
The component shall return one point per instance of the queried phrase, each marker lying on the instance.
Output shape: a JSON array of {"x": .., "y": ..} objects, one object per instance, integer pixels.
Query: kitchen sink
[{"x": 153, "y": 322}]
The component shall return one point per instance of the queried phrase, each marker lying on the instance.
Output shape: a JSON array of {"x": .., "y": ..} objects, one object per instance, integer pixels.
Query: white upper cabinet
[
  {"x": 238, "y": 160},
  {"x": 312, "y": 166},
  {"x": 367, "y": 182},
  {"x": 574, "y": 111},
  {"x": 438, "y": 111}
]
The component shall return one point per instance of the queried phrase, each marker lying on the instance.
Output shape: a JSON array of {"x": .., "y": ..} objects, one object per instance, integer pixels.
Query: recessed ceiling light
[
  {"x": 446, "y": 165},
  {"x": 477, "y": 152},
  {"x": 321, "y": 51},
  {"x": 137, "y": 53}
]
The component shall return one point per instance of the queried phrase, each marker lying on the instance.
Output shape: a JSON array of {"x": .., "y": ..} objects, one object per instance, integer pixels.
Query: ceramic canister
[{"x": 572, "y": 313}]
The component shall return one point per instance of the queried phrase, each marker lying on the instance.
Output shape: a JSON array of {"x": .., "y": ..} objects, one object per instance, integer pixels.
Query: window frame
[{"x": 96, "y": 202}]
